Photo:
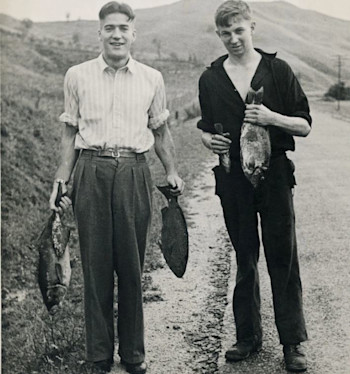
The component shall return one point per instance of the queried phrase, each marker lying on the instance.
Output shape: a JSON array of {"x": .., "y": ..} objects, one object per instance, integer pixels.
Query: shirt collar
[
  {"x": 266, "y": 56},
  {"x": 130, "y": 66}
]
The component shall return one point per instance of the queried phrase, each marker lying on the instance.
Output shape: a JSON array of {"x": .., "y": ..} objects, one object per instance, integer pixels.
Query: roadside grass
[{"x": 32, "y": 81}]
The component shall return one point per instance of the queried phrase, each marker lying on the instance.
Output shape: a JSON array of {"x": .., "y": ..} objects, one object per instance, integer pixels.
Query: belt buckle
[{"x": 115, "y": 154}]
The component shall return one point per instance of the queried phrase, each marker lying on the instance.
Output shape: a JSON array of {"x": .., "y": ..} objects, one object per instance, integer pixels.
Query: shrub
[{"x": 338, "y": 91}]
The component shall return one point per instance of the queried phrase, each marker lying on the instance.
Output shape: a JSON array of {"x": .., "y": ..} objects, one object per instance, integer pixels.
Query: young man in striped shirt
[{"x": 115, "y": 110}]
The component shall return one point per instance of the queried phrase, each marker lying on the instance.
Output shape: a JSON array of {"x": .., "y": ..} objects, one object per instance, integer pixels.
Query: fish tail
[
  {"x": 165, "y": 190},
  {"x": 255, "y": 97}
]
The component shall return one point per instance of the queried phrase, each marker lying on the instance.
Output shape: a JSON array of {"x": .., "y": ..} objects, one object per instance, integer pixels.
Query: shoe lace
[{"x": 296, "y": 348}]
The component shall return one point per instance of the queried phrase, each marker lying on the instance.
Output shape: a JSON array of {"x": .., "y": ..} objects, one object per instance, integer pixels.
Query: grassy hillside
[{"x": 307, "y": 39}]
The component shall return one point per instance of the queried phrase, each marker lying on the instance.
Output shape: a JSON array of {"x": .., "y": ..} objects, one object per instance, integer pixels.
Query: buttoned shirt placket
[{"x": 117, "y": 110}]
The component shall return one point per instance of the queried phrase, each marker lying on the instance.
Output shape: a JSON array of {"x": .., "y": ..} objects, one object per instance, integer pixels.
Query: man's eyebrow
[{"x": 117, "y": 25}]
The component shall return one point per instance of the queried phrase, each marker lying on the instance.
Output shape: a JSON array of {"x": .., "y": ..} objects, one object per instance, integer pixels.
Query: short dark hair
[
  {"x": 230, "y": 9},
  {"x": 115, "y": 7}
]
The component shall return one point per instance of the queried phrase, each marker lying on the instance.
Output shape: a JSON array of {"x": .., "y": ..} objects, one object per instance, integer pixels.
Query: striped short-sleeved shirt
[{"x": 114, "y": 109}]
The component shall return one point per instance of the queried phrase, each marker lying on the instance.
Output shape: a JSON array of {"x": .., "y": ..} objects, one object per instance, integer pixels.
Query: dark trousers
[
  {"x": 273, "y": 200},
  {"x": 112, "y": 204}
]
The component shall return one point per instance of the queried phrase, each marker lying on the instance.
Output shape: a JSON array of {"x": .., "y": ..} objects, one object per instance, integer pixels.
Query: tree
[
  {"x": 67, "y": 16},
  {"x": 76, "y": 38},
  {"x": 339, "y": 91},
  {"x": 174, "y": 56},
  {"x": 158, "y": 44},
  {"x": 26, "y": 25}
]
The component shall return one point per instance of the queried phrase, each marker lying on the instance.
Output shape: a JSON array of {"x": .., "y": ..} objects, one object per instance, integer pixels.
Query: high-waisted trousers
[
  {"x": 273, "y": 200},
  {"x": 112, "y": 205}
]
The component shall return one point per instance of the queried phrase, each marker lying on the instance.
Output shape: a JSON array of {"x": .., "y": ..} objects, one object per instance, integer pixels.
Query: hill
[{"x": 185, "y": 30}]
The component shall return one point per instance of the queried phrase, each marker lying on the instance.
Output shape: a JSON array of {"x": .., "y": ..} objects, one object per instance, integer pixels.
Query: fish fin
[{"x": 59, "y": 272}]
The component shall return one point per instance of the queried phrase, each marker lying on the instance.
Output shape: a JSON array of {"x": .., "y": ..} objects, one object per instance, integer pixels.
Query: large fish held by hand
[
  {"x": 54, "y": 271},
  {"x": 174, "y": 238},
  {"x": 255, "y": 145}
]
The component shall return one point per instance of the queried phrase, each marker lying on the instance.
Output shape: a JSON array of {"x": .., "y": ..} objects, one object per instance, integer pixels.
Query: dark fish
[
  {"x": 54, "y": 269},
  {"x": 174, "y": 238},
  {"x": 255, "y": 145},
  {"x": 224, "y": 157}
]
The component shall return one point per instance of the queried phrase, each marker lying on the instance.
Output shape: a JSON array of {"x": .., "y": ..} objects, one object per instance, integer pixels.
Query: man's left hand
[
  {"x": 258, "y": 115},
  {"x": 176, "y": 183}
]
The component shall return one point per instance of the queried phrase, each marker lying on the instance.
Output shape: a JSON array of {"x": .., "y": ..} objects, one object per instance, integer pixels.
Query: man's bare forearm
[
  {"x": 165, "y": 149},
  {"x": 69, "y": 155},
  {"x": 263, "y": 116},
  {"x": 296, "y": 126}
]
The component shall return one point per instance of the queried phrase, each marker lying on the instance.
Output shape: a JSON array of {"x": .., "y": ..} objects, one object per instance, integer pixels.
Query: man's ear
[
  {"x": 99, "y": 34},
  {"x": 252, "y": 27},
  {"x": 217, "y": 33}
]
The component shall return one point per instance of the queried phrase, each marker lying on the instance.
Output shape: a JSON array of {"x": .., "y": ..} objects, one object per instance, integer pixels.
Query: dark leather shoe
[
  {"x": 242, "y": 350},
  {"x": 295, "y": 358},
  {"x": 104, "y": 366},
  {"x": 139, "y": 368}
]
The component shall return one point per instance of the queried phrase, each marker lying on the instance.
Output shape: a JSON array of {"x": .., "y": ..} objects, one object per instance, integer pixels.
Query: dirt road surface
[{"x": 189, "y": 330}]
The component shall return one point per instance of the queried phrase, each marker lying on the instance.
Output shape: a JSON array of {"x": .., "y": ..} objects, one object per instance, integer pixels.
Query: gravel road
[{"x": 190, "y": 328}]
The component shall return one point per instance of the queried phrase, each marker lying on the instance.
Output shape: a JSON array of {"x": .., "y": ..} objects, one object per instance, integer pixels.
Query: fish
[
  {"x": 54, "y": 267},
  {"x": 174, "y": 235},
  {"x": 255, "y": 145},
  {"x": 224, "y": 157}
]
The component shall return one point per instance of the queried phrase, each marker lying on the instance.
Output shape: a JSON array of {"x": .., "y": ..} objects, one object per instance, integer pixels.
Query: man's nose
[
  {"x": 116, "y": 33},
  {"x": 233, "y": 38}
]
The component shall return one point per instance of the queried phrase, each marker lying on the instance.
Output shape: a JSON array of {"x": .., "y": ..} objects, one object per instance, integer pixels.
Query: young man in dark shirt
[{"x": 223, "y": 88}]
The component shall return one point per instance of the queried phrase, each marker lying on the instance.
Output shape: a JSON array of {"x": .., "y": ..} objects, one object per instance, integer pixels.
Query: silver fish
[
  {"x": 255, "y": 145},
  {"x": 54, "y": 270},
  {"x": 174, "y": 238},
  {"x": 224, "y": 157}
]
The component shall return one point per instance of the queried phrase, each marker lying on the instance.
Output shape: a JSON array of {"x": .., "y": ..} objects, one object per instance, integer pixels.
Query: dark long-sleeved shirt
[{"x": 221, "y": 103}]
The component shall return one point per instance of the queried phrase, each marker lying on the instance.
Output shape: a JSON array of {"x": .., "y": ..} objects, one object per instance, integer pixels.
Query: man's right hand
[
  {"x": 219, "y": 144},
  {"x": 64, "y": 203}
]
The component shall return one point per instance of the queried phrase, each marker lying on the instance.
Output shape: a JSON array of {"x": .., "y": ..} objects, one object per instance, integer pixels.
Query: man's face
[
  {"x": 117, "y": 34},
  {"x": 237, "y": 37}
]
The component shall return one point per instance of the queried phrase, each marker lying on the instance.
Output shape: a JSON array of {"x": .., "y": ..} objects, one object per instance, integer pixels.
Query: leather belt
[{"x": 113, "y": 153}]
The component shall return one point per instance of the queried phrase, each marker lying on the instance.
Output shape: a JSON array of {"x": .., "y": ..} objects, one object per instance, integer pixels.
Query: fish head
[
  {"x": 55, "y": 296},
  {"x": 258, "y": 176}
]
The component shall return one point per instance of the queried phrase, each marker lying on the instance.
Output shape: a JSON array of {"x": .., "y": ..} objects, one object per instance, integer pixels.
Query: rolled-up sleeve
[
  {"x": 158, "y": 113},
  {"x": 206, "y": 122},
  {"x": 296, "y": 102},
  {"x": 71, "y": 102}
]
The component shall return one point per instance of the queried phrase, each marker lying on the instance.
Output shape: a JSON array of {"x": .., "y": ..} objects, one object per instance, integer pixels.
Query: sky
[{"x": 57, "y": 10}]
